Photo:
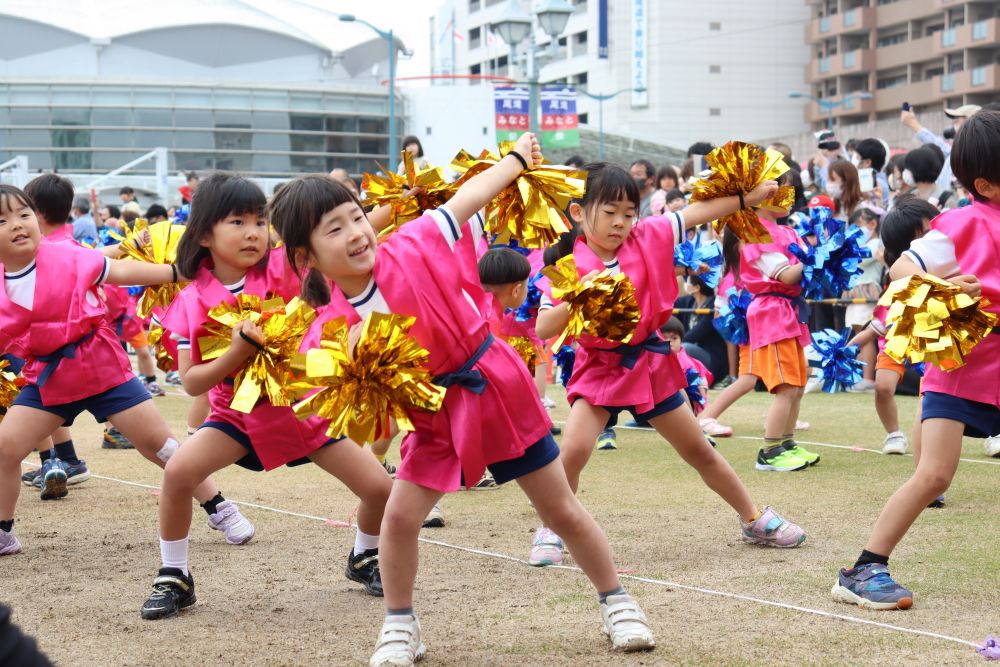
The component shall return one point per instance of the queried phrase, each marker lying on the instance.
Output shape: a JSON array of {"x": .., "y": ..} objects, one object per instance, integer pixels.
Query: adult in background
[
  {"x": 701, "y": 339},
  {"x": 843, "y": 188},
  {"x": 340, "y": 175},
  {"x": 644, "y": 173},
  {"x": 958, "y": 117},
  {"x": 84, "y": 227},
  {"x": 871, "y": 154},
  {"x": 576, "y": 161}
]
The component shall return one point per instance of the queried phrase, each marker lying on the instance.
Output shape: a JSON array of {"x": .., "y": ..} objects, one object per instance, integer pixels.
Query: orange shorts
[
  {"x": 780, "y": 363},
  {"x": 887, "y": 363},
  {"x": 745, "y": 365},
  {"x": 139, "y": 340}
]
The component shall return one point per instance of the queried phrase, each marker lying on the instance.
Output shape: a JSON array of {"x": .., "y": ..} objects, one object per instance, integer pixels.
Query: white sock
[
  {"x": 175, "y": 554},
  {"x": 363, "y": 542}
]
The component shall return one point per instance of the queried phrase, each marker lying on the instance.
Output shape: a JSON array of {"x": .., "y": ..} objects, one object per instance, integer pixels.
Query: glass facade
[{"x": 262, "y": 132}]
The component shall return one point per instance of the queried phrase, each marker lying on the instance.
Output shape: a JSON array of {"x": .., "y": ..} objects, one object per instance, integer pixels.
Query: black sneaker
[
  {"x": 172, "y": 591},
  {"x": 363, "y": 569},
  {"x": 555, "y": 430}
]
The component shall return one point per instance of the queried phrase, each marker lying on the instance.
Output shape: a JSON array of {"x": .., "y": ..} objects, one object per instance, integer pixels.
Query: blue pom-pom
[
  {"x": 693, "y": 389},
  {"x": 181, "y": 214},
  {"x": 833, "y": 266},
  {"x": 106, "y": 238},
  {"x": 820, "y": 224},
  {"x": 512, "y": 244},
  {"x": 528, "y": 309},
  {"x": 565, "y": 358},
  {"x": 837, "y": 360},
  {"x": 693, "y": 254},
  {"x": 136, "y": 290},
  {"x": 732, "y": 320}
]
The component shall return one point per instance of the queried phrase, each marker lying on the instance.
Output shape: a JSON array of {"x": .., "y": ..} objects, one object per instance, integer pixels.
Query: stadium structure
[{"x": 270, "y": 88}]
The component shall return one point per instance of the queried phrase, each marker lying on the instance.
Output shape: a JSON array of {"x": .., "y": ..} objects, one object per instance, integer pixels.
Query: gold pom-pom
[
  {"x": 531, "y": 209},
  {"x": 739, "y": 167},
  {"x": 361, "y": 393},
  {"x": 163, "y": 359},
  {"x": 392, "y": 189},
  {"x": 164, "y": 238},
  {"x": 604, "y": 306},
  {"x": 268, "y": 371},
  {"x": 932, "y": 320},
  {"x": 526, "y": 349},
  {"x": 10, "y": 387}
]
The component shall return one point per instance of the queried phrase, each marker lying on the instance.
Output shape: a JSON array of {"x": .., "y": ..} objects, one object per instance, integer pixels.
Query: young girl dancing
[
  {"x": 642, "y": 377},
  {"x": 51, "y": 315},
  {"x": 776, "y": 319},
  {"x": 227, "y": 251},
  {"x": 962, "y": 247},
  {"x": 491, "y": 415}
]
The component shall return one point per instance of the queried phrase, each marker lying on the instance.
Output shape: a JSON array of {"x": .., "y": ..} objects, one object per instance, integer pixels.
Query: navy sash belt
[
  {"x": 630, "y": 353},
  {"x": 467, "y": 376},
  {"x": 51, "y": 360},
  {"x": 798, "y": 302}
]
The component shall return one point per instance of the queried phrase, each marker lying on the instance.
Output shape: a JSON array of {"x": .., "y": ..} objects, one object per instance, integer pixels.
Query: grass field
[{"x": 89, "y": 559}]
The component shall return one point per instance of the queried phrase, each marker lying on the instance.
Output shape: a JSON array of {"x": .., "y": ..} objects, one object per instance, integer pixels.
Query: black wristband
[
  {"x": 251, "y": 341},
  {"x": 520, "y": 158},
  {"x": 174, "y": 267},
  {"x": 743, "y": 204}
]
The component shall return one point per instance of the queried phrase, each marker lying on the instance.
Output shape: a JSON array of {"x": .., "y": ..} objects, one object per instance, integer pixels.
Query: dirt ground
[{"x": 89, "y": 560}]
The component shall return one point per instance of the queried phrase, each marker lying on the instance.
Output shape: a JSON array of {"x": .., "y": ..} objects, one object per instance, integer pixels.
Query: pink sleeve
[
  {"x": 175, "y": 320},
  {"x": 91, "y": 263}
]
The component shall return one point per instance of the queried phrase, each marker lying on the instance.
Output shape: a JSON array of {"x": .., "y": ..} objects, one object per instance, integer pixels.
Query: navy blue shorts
[
  {"x": 117, "y": 399},
  {"x": 16, "y": 363},
  {"x": 981, "y": 419},
  {"x": 539, "y": 455},
  {"x": 251, "y": 461},
  {"x": 669, "y": 404}
]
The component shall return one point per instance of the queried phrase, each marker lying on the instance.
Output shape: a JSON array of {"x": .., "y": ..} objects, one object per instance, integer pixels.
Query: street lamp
[
  {"x": 600, "y": 112},
  {"x": 828, "y": 105},
  {"x": 391, "y": 41},
  {"x": 516, "y": 25}
]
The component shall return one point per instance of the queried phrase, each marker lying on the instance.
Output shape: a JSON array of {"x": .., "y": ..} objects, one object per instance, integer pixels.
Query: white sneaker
[
  {"x": 9, "y": 544},
  {"x": 625, "y": 624},
  {"x": 713, "y": 428},
  {"x": 435, "y": 518},
  {"x": 895, "y": 443},
  {"x": 546, "y": 548},
  {"x": 992, "y": 446},
  {"x": 862, "y": 387},
  {"x": 399, "y": 643},
  {"x": 236, "y": 527},
  {"x": 548, "y": 403}
]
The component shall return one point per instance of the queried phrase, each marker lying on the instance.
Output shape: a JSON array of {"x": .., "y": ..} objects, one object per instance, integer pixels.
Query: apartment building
[
  {"x": 712, "y": 70},
  {"x": 929, "y": 53}
]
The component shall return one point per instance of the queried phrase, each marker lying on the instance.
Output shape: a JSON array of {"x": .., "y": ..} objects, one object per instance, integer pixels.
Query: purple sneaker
[
  {"x": 772, "y": 530},
  {"x": 870, "y": 586},
  {"x": 9, "y": 544}
]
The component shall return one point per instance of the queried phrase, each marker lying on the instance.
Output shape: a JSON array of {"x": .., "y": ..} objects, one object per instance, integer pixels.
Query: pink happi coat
[
  {"x": 771, "y": 318},
  {"x": 647, "y": 258},
  {"x": 67, "y": 307},
  {"x": 975, "y": 231},
  {"x": 419, "y": 275},
  {"x": 121, "y": 312},
  {"x": 61, "y": 233},
  {"x": 505, "y": 325},
  {"x": 276, "y": 434}
]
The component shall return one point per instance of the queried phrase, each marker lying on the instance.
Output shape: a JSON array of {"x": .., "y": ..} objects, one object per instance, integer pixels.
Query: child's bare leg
[
  {"x": 786, "y": 397},
  {"x": 560, "y": 510},
  {"x": 144, "y": 360},
  {"x": 366, "y": 479},
  {"x": 541, "y": 374},
  {"x": 145, "y": 428},
  {"x": 21, "y": 429},
  {"x": 885, "y": 399},
  {"x": 941, "y": 449},
  {"x": 733, "y": 355},
  {"x": 399, "y": 555},
  {"x": 743, "y": 385},
  {"x": 793, "y": 413},
  {"x": 917, "y": 432},
  {"x": 584, "y": 424},
  {"x": 681, "y": 430},
  {"x": 197, "y": 412}
]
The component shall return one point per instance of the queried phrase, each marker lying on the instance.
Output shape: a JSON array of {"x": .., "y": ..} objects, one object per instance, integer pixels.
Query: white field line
[{"x": 655, "y": 582}]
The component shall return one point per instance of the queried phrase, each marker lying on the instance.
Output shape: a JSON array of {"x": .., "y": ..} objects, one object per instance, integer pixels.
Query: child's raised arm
[
  {"x": 481, "y": 189},
  {"x": 131, "y": 272},
  {"x": 702, "y": 212},
  {"x": 863, "y": 337}
]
